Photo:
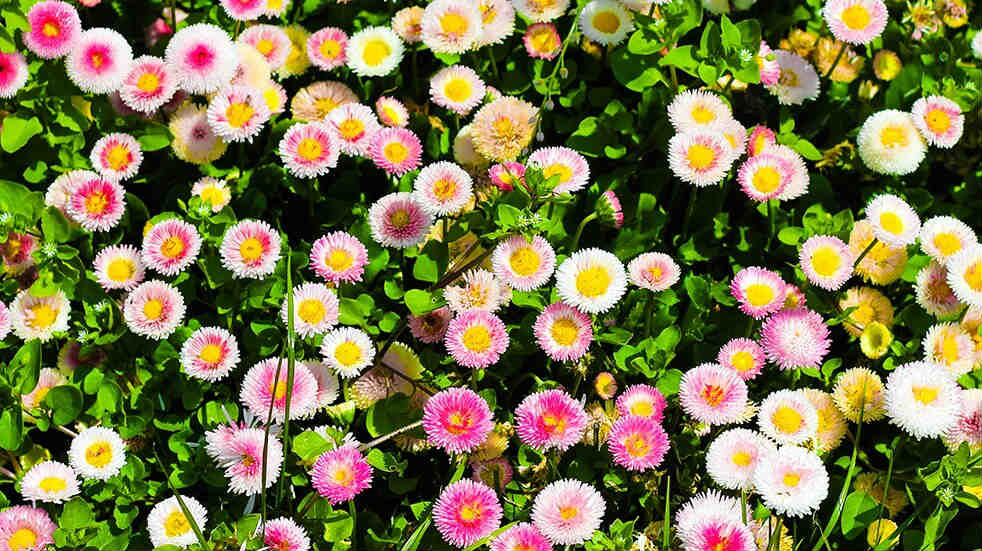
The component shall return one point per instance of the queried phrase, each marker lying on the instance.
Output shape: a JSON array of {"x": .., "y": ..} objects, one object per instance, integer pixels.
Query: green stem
[
  {"x": 775, "y": 542},
  {"x": 842, "y": 50},
  {"x": 666, "y": 538},
  {"x": 579, "y": 230},
  {"x": 886, "y": 487},
  {"x": 354, "y": 516},
  {"x": 173, "y": 16},
  {"x": 494, "y": 65},
  {"x": 290, "y": 365},
  {"x": 865, "y": 252},
  {"x": 770, "y": 221},
  {"x": 688, "y": 211}
]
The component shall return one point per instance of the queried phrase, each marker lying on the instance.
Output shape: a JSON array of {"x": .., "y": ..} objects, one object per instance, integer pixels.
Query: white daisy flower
[
  {"x": 798, "y": 81},
  {"x": 894, "y": 222},
  {"x": 606, "y": 22},
  {"x": 97, "y": 453},
  {"x": 943, "y": 236},
  {"x": 965, "y": 275},
  {"x": 39, "y": 317},
  {"x": 50, "y": 482},
  {"x": 168, "y": 525},
  {"x": 347, "y": 351},
  {"x": 889, "y": 143},
  {"x": 788, "y": 417},
  {"x": 792, "y": 482},
  {"x": 922, "y": 399},
  {"x": 374, "y": 51},
  {"x": 591, "y": 280},
  {"x": 315, "y": 309}
]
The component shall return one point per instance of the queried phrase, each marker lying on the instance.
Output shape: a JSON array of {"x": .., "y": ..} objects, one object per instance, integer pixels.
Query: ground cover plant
[{"x": 505, "y": 274}]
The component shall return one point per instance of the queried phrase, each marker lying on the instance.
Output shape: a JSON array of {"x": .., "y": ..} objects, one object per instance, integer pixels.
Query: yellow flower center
[
  {"x": 564, "y": 172},
  {"x": 41, "y": 393},
  {"x": 239, "y": 114},
  {"x": 636, "y": 445},
  {"x": 23, "y": 538},
  {"x": 454, "y": 23},
  {"x": 52, "y": 484},
  {"x": 788, "y": 78},
  {"x": 702, "y": 115},
  {"x": 892, "y": 223},
  {"x": 347, "y": 354},
  {"x": 274, "y": 5},
  {"x": 925, "y": 394},
  {"x": 97, "y": 59},
  {"x": 470, "y": 512},
  {"x": 399, "y": 218},
  {"x": 791, "y": 480},
  {"x": 375, "y": 52},
  {"x": 892, "y": 136},
  {"x": 459, "y": 423},
  {"x": 330, "y": 49},
  {"x": 343, "y": 476},
  {"x": 272, "y": 99},
  {"x": 153, "y": 309},
  {"x": 760, "y": 143},
  {"x": 766, "y": 179},
  {"x": 655, "y": 273},
  {"x": 324, "y": 106},
  {"x": 947, "y": 348},
  {"x": 50, "y": 29},
  {"x": 826, "y": 261},
  {"x": 504, "y": 127},
  {"x": 713, "y": 395},
  {"x": 938, "y": 121},
  {"x": 210, "y": 353},
  {"x": 947, "y": 243},
  {"x": 743, "y": 361},
  {"x": 564, "y": 331},
  {"x": 444, "y": 189},
  {"x": 339, "y": 260},
  {"x": 606, "y": 22},
  {"x": 172, "y": 247},
  {"x": 568, "y": 512},
  {"x": 279, "y": 392},
  {"x": 973, "y": 276},
  {"x": 477, "y": 338},
  {"x": 264, "y": 46},
  {"x": 542, "y": 40},
  {"x": 120, "y": 270},
  {"x": 311, "y": 311},
  {"x": 118, "y": 157},
  {"x": 787, "y": 420},
  {"x": 42, "y": 317},
  {"x": 457, "y": 89},
  {"x": 176, "y": 524},
  {"x": 700, "y": 156},
  {"x": 99, "y": 454},
  {"x": 391, "y": 114},
  {"x": 395, "y": 152},
  {"x": 741, "y": 458},
  {"x": 863, "y": 314},
  {"x": 96, "y": 203},
  {"x": 856, "y": 17},
  {"x": 351, "y": 128},
  {"x": 148, "y": 82},
  {"x": 759, "y": 294},
  {"x": 309, "y": 149},
  {"x": 554, "y": 424},
  {"x": 251, "y": 249},
  {"x": 642, "y": 408},
  {"x": 593, "y": 282}
]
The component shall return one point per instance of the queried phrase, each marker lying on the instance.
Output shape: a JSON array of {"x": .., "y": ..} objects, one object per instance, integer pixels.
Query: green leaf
[
  {"x": 55, "y": 225},
  {"x": 698, "y": 289},
  {"x": 11, "y": 427},
  {"x": 309, "y": 445},
  {"x": 388, "y": 415},
  {"x": 731, "y": 34},
  {"x": 17, "y": 131},
  {"x": 157, "y": 136},
  {"x": 420, "y": 302},
  {"x": 76, "y": 514},
  {"x": 858, "y": 512},
  {"x": 791, "y": 235},
  {"x": 669, "y": 382},
  {"x": 635, "y": 72},
  {"x": 65, "y": 402},
  {"x": 431, "y": 262},
  {"x": 681, "y": 57}
]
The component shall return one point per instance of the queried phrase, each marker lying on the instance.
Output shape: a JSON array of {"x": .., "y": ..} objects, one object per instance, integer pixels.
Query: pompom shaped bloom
[
  {"x": 250, "y": 249},
  {"x": 210, "y": 354},
  {"x": 478, "y": 289},
  {"x": 894, "y": 221},
  {"x": 374, "y": 51},
  {"x": 315, "y": 309},
  {"x": 202, "y": 57},
  {"x": 798, "y": 184},
  {"x": 831, "y": 423},
  {"x": 154, "y": 309},
  {"x": 240, "y": 454},
  {"x": 521, "y": 536},
  {"x": 795, "y": 338},
  {"x": 764, "y": 176},
  {"x": 395, "y": 150},
  {"x": 116, "y": 157},
  {"x": 476, "y": 338},
  {"x": 768, "y": 67},
  {"x": 798, "y": 80},
  {"x": 792, "y": 482},
  {"x": 54, "y": 29},
  {"x": 99, "y": 61},
  {"x": 855, "y": 21},
  {"x": 591, "y": 280},
  {"x": 497, "y": 21},
  {"x": 541, "y": 10},
  {"x": 524, "y": 265},
  {"x": 653, "y": 271},
  {"x": 407, "y": 24},
  {"x": 826, "y": 261},
  {"x": 170, "y": 246},
  {"x": 450, "y": 27},
  {"x": 716, "y": 531},
  {"x": 347, "y": 351},
  {"x": 950, "y": 346},
  {"x": 760, "y": 138},
  {"x": 466, "y": 512},
  {"x": 939, "y": 119},
  {"x": 244, "y": 10},
  {"x": 503, "y": 128},
  {"x": 391, "y": 112},
  {"x": 443, "y": 188},
  {"x": 431, "y": 327},
  {"x": 237, "y": 113},
  {"x": 694, "y": 110},
  {"x": 550, "y": 419},
  {"x": 571, "y": 168},
  {"x": 760, "y": 292},
  {"x": 13, "y": 73},
  {"x": 97, "y": 204},
  {"x": 270, "y": 41},
  {"x": 97, "y": 453},
  {"x": 505, "y": 176},
  {"x": 314, "y": 102},
  {"x": 60, "y": 190},
  {"x": 148, "y": 86},
  {"x": 859, "y": 391},
  {"x": 890, "y": 143},
  {"x": 309, "y": 150},
  {"x": 713, "y": 394},
  {"x": 542, "y": 41},
  {"x": 568, "y": 511},
  {"x": 168, "y": 525},
  {"x": 788, "y": 417},
  {"x": 353, "y": 126},
  {"x": 258, "y": 390},
  {"x": 457, "y": 420},
  {"x": 26, "y": 528},
  {"x": 870, "y": 306},
  {"x": 734, "y": 455},
  {"x": 213, "y": 193},
  {"x": 39, "y": 317},
  {"x": 704, "y": 505},
  {"x": 284, "y": 534},
  {"x": 605, "y": 22},
  {"x": 642, "y": 401},
  {"x": 637, "y": 443},
  {"x": 943, "y": 236},
  {"x": 194, "y": 140},
  {"x": 399, "y": 220},
  {"x": 457, "y": 88},
  {"x": 965, "y": 275},
  {"x": 744, "y": 356},
  {"x": 326, "y": 48},
  {"x": 50, "y": 482},
  {"x": 922, "y": 399},
  {"x": 118, "y": 267},
  {"x": 48, "y": 378},
  {"x": 338, "y": 257},
  {"x": 968, "y": 425},
  {"x": 563, "y": 332},
  {"x": 701, "y": 157}
]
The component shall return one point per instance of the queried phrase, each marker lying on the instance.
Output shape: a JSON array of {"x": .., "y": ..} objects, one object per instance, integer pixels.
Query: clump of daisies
[{"x": 707, "y": 138}]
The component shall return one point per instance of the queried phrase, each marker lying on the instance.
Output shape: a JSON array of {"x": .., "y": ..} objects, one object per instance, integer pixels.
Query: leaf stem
[
  {"x": 384, "y": 437},
  {"x": 579, "y": 230},
  {"x": 865, "y": 252}
]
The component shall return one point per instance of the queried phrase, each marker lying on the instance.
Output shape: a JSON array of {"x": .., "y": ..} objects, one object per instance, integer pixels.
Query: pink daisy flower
[
  {"x": 568, "y": 511},
  {"x": 154, "y": 309},
  {"x": 713, "y": 394},
  {"x": 395, "y": 150},
  {"x": 521, "y": 536},
  {"x": 792, "y": 482},
  {"x": 99, "y": 61},
  {"x": 793, "y": 298},
  {"x": 968, "y": 426},
  {"x": 476, "y": 338},
  {"x": 60, "y": 191},
  {"x": 715, "y": 531},
  {"x": 202, "y": 57},
  {"x": 244, "y": 10},
  {"x": 637, "y": 443},
  {"x": 326, "y": 48},
  {"x": 353, "y": 125},
  {"x": 798, "y": 184},
  {"x": 642, "y": 401},
  {"x": 465, "y": 512},
  {"x": 258, "y": 391},
  {"x": 210, "y": 354},
  {"x": 522, "y": 264},
  {"x": 733, "y": 456},
  {"x": 327, "y": 384},
  {"x": 457, "y": 420},
  {"x": 315, "y": 309},
  {"x": 341, "y": 474},
  {"x": 769, "y": 68},
  {"x": 54, "y": 29},
  {"x": 654, "y": 271},
  {"x": 116, "y": 157},
  {"x": 764, "y": 176},
  {"x": 443, "y": 188},
  {"x": 743, "y": 356},
  {"x": 701, "y": 157},
  {"x": 250, "y": 249},
  {"x": 457, "y": 88},
  {"x": 309, "y": 150},
  {"x": 550, "y": 419},
  {"x": 760, "y": 292},
  {"x": 148, "y": 85},
  {"x": 26, "y": 528},
  {"x": 391, "y": 112},
  {"x": 450, "y": 27},
  {"x": 702, "y": 505},
  {"x": 939, "y": 119},
  {"x": 431, "y": 327},
  {"x": 97, "y": 205},
  {"x": 542, "y": 41},
  {"x": 119, "y": 267},
  {"x": 855, "y": 21},
  {"x": 505, "y": 175},
  {"x": 760, "y": 138},
  {"x": 237, "y": 113},
  {"x": 571, "y": 168},
  {"x": 241, "y": 456},
  {"x": 18, "y": 252},
  {"x": 563, "y": 332},
  {"x": 170, "y": 246},
  {"x": 795, "y": 338},
  {"x": 283, "y": 534},
  {"x": 399, "y": 220},
  {"x": 494, "y": 473},
  {"x": 339, "y": 257},
  {"x": 826, "y": 261},
  {"x": 270, "y": 41},
  {"x": 608, "y": 209}
]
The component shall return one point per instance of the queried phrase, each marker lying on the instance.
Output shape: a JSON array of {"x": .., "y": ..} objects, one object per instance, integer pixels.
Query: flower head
[
  {"x": 855, "y": 21},
  {"x": 943, "y": 236},
  {"x": 244, "y": 10},
  {"x": 859, "y": 391},
  {"x": 50, "y": 482},
  {"x": 203, "y": 58},
  {"x": 476, "y": 338},
  {"x": 399, "y": 220},
  {"x": 54, "y": 29},
  {"x": 353, "y": 126},
  {"x": 431, "y": 327},
  {"x": 237, "y": 113},
  {"x": 210, "y": 354},
  {"x": 97, "y": 453},
  {"x": 798, "y": 80},
  {"x": 478, "y": 289},
  {"x": 309, "y": 150},
  {"x": 744, "y": 356},
  {"x": 826, "y": 261},
  {"x": 523, "y": 535},
  {"x": 497, "y": 21},
  {"x": 767, "y": 65},
  {"x": 760, "y": 137},
  {"x": 792, "y": 482},
  {"x": 550, "y": 419},
  {"x": 568, "y": 511},
  {"x": 965, "y": 275},
  {"x": 315, "y": 309},
  {"x": 284, "y": 534},
  {"x": 765, "y": 176},
  {"x": 458, "y": 88},
  {"x": 795, "y": 338},
  {"x": 170, "y": 246},
  {"x": 522, "y": 264},
  {"x": 444, "y": 188},
  {"x": 154, "y": 309},
  {"x": 374, "y": 51},
  {"x": 883, "y": 264},
  {"x": 119, "y": 267},
  {"x": 542, "y": 41},
  {"x": 465, "y": 512},
  {"x": 606, "y": 22},
  {"x": 99, "y": 61},
  {"x": 968, "y": 425},
  {"x": 653, "y": 271},
  {"x": 148, "y": 85},
  {"x": 395, "y": 150},
  {"x": 894, "y": 221},
  {"x": 870, "y": 306},
  {"x": 457, "y": 420},
  {"x": 591, "y": 280},
  {"x": 347, "y": 351},
  {"x": 97, "y": 204},
  {"x": 270, "y": 41},
  {"x": 48, "y": 378},
  {"x": 637, "y": 443},
  {"x": 34, "y": 317},
  {"x": 700, "y": 157},
  {"x": 788, "y": 417},
  {"x": 570, "y": 167},
  {"x": 194, "y": 140},
  {"x": 563, "y": 332},
  {"x": 696, "y": 110},
  {"x": 240, "y": 452},
  {"x": 13, "y": 73},
  {"x": 831, "y": 423},
  {"x": 391, "y": 112},
  {"x": 642, "y": 401},
  {"x": 250, "y": 249},
  {"x": 939, "y": 119},
  {"x": 450, "y": 27},
  {"x": 116, "y": 157},
  {"x": 259, "y": 391},
  {"x": 734, "y": 455},
  {"x": 951, "y": 346},
  {"x": 407, "y": 23},
  {"x": 713, "y": 394},
  {"x": 890, "y": 143},
  {"x": 313, "y": 103},
  {"x": 760, "y": 292},
  {"x": 338, "y": 257},
  {"x": 26, "y": 528},
  {"x": 922, "y": 399},
  {"x": 502, "y": 128}
]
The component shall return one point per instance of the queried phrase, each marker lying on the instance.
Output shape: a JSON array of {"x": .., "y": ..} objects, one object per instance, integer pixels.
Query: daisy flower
[
  {"x": 258, "y": 391},
  {"x": 605, "y": 22},
  {"x": 760, "y": 138},
  {"x": 244, "y": 10},
  {"x": 148, "y": 86},
  {"x": 54, "y": 29},
  {"x": 99, "y": 61},
  {"x": 695, "y": 110},
  {"x": 391, "y": 112},
  {"x": 154, "y": 309},
  {"x": 50, "y": 482},
  {"x": 764, "y": 176},
  {"x": 116, "y": 157},
  {"x": 795, "y": 338},
  {"x": 297, "y": 61},
  {"x": 831, "y": 423},
  {"x": 939, "y": 119},
  {"x": 883, "y": 264},
  {"x": 706, "y": 504},
  {"x": 374, "y": 51},
  {"x": 563, "y": 332},
  {"x": 399, "y": 220},
  {"x": 202, "y": 57},
  {"x": 571, "y": 168},
  {"x": 922, "y": 399},
  {"x": 339, "y": 257},
  {"x": 237, "y": 113},
  {"x": 39, "y": 317},
  {"x": 13, "y": 73},
  {"x": 943, "y": 236},
  {"x": 476, "y": 339},
  {"x": 637, "y": 443},
  {"x": 933, "y": 293},
  {"x": 315, "y": 309},
  {"x": 951, "y": 346},
  {"x": 965, "y": 275},
  {"x": 97, "y": 453},
  {"x": 890, "y": 143},
  {"x": 395, "y": 150},
  {"x": 457, "y": 420},
  {"x": 855, "y": 21},
  {"x": 353, "y": 125},
  {"x": 443, "y": 188},
  {"x": 713, "y": 394},
  {"x": 316, "y": 101},
  {"x": 894, "y": 221},
  {"x": 477, "y": 290},
  {"x": 48, "y": 378},
  {"x": 522, "y": 535},
  {"x": 760, "y": 292},
  {"x": 701, "y": 157},
  {"x": 653, "y": 271},
  {"x": 168, "y": 525},
  {"x": 733, "y": 456},
  {"x": 326, "y": 48},
  {"x": 968, "y": 425},
  {"x": 450, "y": 27},
  {"x": 826, "y": 261},
  {"x": 241, "y": 456},
  {"x": 309, "y": 150},
  {"x": 431, "y": 327},
  {"x": 212, "y": 192},
  {"x": 466, "y": 512},
  {"x": 347, "y": 351},
  {"x": 714, "y": 531},
  {"x": 550, "y": 419},
  {"x": 743, "y": 356},
  {"x": 275, "y": 8},
  {"x": 457, "y": 88},
  {"x": 341, "y": 474},
  {"x": 270, "y": 41},
  {"x": 97, "y": 204},
  {"x": 407, "y": 23},
  {"x": 788, "y": 417},
  {"x": 859, "y": 390},
  {"x": 170, "y": 246},
  {"x": 506, "y": 175},
  {"x": 871, "y": 306},
  {"x": 541, "y": 10},
  {"x": 284, "y": 534},
  {"x": 608, "y": 209},
  {"x": 542, "y": 41},
  {"x": 798, "y": 80},
  {"x": 27, "y": 528},
  {"x": 194, "y": 140},
  {"x": 568, "y": 511},
  {"x": 642, "y": 401},
  {"x": 118, "y": 267},
  {"x": 210, "y": 354},
  {"x": 798, "y": 183},
  {"x": 503, "y": 128},
  {"x": 60, "y": 190},
  {"x": 792, "y": 482},
  {"x": 497, "y": 21},
  {"x": 736, "y": 136},
  {"x": 18, "y": 252},
  {"x": 591, "y": 280},
  {"x": 250, "y": 249},
  {"x": 768, "y": 67},
  {"x": 522, "y": 264}
]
